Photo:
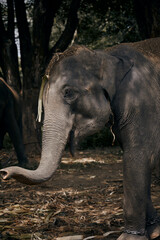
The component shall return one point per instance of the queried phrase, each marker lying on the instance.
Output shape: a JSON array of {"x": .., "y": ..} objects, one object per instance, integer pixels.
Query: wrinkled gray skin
[
  {"x": 83, "y": 91},
  {"x": 11, "y": 120}
]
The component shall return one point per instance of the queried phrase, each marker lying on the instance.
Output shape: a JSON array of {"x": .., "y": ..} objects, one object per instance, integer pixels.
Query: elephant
[
  {"x": 11, "y": 120},
  {"x": 84, "y": 90}
]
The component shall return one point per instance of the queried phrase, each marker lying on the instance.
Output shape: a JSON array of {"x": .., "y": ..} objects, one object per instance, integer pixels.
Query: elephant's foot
[
  {"x": 153, "y": 230},
  {"x": 126, "y": 236}
]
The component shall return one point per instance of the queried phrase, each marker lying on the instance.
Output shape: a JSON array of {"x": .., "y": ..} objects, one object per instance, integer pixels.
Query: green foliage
[
  {"x": 106, "y": 23},
  {"x": 59, "y": 22},
  {"x": 101, "y": 23}
]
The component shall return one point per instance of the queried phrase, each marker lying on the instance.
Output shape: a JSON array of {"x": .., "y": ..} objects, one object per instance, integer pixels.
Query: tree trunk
[
  {"x": 31, "y": 128},
  {"x": 25, "y": 44},
  {"x": 8, "y": 50},
  {"x": 72, "y": 23},
  {"x": 44, "y": 13},
  {"x": 30, "y": 94},
  {"x": 35, "y": 54}
]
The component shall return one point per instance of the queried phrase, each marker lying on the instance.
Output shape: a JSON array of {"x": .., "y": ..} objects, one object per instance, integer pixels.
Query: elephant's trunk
[{"x": 54, "y": 140}]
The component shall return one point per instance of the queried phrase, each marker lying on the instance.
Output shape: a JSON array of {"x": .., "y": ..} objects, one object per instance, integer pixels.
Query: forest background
[{"x": 31, "y": 31}]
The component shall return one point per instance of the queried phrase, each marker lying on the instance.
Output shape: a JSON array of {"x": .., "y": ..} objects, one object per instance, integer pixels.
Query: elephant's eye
[{"x": 70, "y": 94}]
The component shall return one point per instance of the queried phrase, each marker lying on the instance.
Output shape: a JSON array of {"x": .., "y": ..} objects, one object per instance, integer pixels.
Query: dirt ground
[{"x": 83, "y": 199}]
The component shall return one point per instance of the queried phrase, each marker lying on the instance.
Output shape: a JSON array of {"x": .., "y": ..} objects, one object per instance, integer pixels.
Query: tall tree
[
  {"x": 8, "y": 49},
  {"x": 34, "y": 51}
]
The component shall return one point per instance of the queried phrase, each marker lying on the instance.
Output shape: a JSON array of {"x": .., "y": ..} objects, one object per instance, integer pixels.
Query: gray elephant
[
  {"x": 11, "y": 120},
  {"x": 83, "y": 90}
]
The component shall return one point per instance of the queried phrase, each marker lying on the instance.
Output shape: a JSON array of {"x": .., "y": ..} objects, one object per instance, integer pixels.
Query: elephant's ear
[
  {"x": 39, "y": 114},
  {"x": 114, "y": 69}
]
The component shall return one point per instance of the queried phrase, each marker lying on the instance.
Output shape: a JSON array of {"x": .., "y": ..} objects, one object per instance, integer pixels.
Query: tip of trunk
[
  {"x": 30, "y": 177},
  {"x": 5, "y": 174}
]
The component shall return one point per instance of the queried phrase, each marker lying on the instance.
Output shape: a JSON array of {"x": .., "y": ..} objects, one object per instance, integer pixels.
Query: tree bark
[
  {"x": 31, "y": 128},
  {"x": 10, "y": 27},
  {"x": 30, "y": 94},
  {"x": 72, "y": 23},
  {"x": 25, "y": 44},
  {"x": 44, "y": 13}
]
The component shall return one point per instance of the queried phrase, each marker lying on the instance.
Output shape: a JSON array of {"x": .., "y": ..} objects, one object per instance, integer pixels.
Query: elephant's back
[{"x": 149, "y": 48}]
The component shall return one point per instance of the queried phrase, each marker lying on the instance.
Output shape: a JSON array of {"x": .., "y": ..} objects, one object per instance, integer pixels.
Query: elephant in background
[
  {"x": 84, "y": 89},
  {"x": 11, "y": 120}
]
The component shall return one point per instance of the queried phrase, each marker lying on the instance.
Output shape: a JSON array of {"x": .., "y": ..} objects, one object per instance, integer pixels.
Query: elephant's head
[{"x": 76, "y": 100}]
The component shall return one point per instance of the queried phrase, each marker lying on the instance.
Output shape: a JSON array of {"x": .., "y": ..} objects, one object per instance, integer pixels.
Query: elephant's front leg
[{"x": 136, "y": 183}]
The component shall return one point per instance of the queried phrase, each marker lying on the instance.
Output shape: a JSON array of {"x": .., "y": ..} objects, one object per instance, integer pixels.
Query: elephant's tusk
[{"x": 40, "y": 102}]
